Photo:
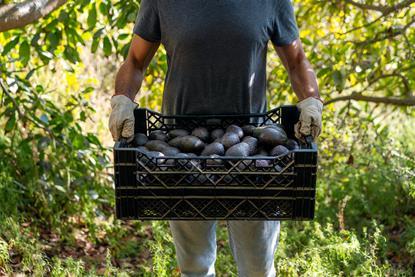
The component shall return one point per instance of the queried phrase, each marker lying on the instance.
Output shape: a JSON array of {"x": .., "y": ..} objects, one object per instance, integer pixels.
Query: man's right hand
[{"x": 121, "y": 122}]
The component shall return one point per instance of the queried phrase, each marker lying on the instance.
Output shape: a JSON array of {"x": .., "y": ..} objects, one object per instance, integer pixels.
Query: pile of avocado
[{"x": 234, "y": 141}]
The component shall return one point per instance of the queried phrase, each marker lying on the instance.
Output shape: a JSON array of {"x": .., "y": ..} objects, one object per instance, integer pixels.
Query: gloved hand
[
  {"x": 310, "y": 118},
  {"x": 121, "y": 122}
]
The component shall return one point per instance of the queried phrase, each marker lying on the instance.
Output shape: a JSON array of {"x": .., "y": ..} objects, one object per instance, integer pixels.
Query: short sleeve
[
  {"x": 285, "y": 29},
  {"x": 147, "y": 24}
]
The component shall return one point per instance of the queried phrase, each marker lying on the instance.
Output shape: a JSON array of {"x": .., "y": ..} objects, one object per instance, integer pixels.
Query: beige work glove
[
  {"x": 310, "y": 118},
  {"x": 121, "y": 122}
]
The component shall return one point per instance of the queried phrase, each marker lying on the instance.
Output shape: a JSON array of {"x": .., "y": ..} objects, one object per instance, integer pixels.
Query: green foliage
[
  {"x": 315, "y": 250},
  {"x": 52, "y": 161}
]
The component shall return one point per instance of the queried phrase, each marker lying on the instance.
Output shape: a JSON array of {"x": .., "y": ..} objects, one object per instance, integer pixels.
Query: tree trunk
[{"x": 19, "y": 15}]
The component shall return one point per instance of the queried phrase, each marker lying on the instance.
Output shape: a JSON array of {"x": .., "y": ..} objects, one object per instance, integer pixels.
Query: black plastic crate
[{"x": 203, "y": 188}]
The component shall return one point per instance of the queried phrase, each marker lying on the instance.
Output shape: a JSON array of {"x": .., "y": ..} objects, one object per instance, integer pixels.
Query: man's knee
[{"x": 198, "y": 267}]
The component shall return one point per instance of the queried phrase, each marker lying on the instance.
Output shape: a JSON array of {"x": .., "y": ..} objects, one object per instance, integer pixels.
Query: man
[{"x": 216, "y": 53}]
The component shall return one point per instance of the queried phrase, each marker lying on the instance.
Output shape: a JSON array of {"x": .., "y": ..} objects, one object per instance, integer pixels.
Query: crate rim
[
  {"x": 118, "y": 145},
  {"x": 214, "y": 115}
]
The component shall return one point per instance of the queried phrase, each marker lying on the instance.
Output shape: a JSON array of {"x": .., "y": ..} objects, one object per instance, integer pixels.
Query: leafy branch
[
  {"x": 384, "y": 9},
  {"x": 21, "y": 114}
]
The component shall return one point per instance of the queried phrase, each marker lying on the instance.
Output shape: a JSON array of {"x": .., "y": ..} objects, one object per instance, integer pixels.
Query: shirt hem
[
  {"x": 287, "y": 41},
  {"x": 146, "y": 37}
]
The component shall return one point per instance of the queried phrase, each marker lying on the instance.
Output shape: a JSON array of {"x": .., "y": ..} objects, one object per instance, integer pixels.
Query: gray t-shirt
[{"x": 216, "y": 50}]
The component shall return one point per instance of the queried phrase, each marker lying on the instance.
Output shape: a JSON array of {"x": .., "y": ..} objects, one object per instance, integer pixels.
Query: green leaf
[
  {"x": 93, "y": 139},
  {"x": 71, "y": 54},
  {"x": 44, "y": 55},
  {"x": 306, "y": 41},
  {"x": 10, "y": 123},
  {"x": 124, "y": 50},
  {"x": 63, "y": 16},
  {"x": 54, "y": 39},
  {"x": 52, "y": 25},
  {"x": 88, "y": 90},
  {"x": 82, "y": 116},
  {"x": 339, "y": 80},
  {"x": 107, "y": 46},
  {"x": 24, "y": 52},
  {"x": 10, "y": 45},
  {"x": 322, "y": 72},
  {"x": 92, "y": 17},
  {"x": 30, "y": 74},
  {"x": 98, "y": 33},
  {"x": 103, "y": 8},
  {"x": 121, "y": 22},
  {"x": 59, "y": 188},
  {"x": 123, "y": 36},
  {"x": 35, "y": 40},
  {"x": 73, "y": 36},
  {"x": 95, "y": 44}
]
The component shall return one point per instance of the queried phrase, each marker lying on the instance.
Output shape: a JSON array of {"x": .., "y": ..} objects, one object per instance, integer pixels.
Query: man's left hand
[{"x": 310, "y": 118}]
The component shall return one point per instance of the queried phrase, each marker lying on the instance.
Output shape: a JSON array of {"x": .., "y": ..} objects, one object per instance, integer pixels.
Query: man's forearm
[
  {"x": 303, "y": 79},
  {"x": 129, "y": 79}
]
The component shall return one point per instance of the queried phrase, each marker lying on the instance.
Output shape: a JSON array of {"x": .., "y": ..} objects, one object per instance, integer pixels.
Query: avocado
[
  {"x": 191, "y": 155},
  {"x": 270, "y": 137},
  {"x": 150, "y": 160},
  {"x": 278, "y": 168},
  {"x": 183, "y": 162},
  {"x": 238, "y": 150},
  {"x": 262, "y": 152},
  {"x": 202, "y": 133},
  {"x": 170, "y": 151},
  {"x": 175, "y": 142},
  {"x": 244, "y": 164},
  {"x": 258, "y": 130},
  {"x": 213, "y": 148},
  {"x": 169, "y": 163},
  {"x": 213, "y": 160},
  {"x": 276, "y": 126},
  {"x": 235, "y": 129},
  {"x": 261, "y": 163},
  {"x": 158, "y": 135},
  {"x": 292, "y": 144},
  {"x": 188, "y": 144},
  {"x": 156, "y": 154},
  {"x": 279, "y": 150},
  {"x": 140, "y": 139},
  {"x": 218, "y": 140},
  {"x": 248, "y": 130},
  {"x": 177, "y": 133},
  {"x": 181, "y": 155},
  {"x": 176, "y": 163},
  {"x": 253, "y": 144},
  {"x": 217, "y": 134},
  {"x": 142, "y": 149},
  {"x": 229, "y": 139},
  {"x": 156, "y": 145}
]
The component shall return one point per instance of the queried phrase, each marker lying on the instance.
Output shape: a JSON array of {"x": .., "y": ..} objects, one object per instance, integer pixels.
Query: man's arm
[
  {"x": 302, "y": 76},
  {"x": 131, "y": 73},
  {"x": 304, "y": 83},
  {"x": 128, "y": 81}
]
